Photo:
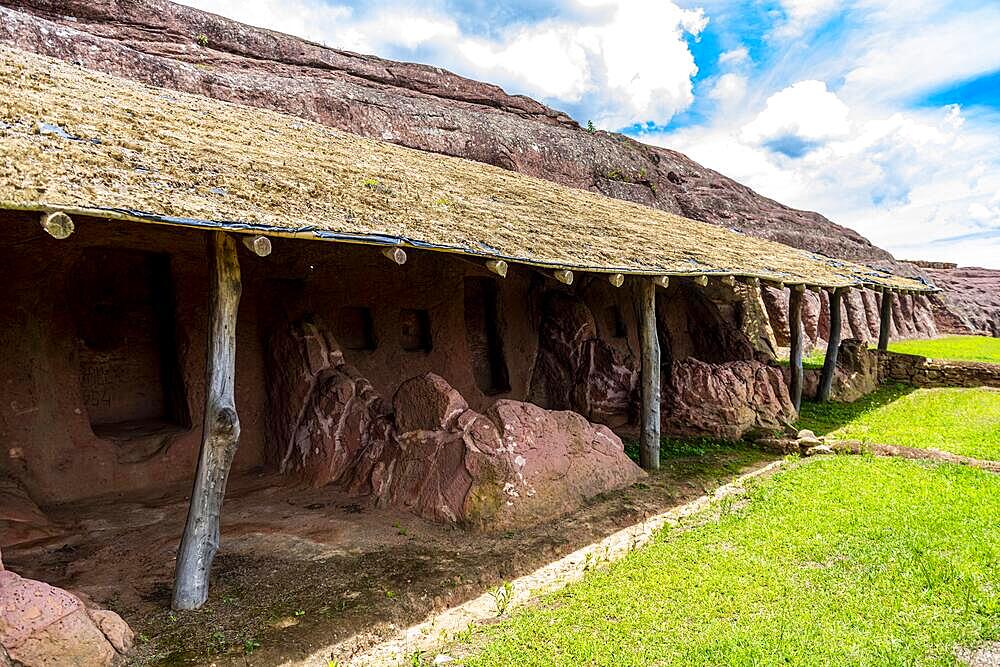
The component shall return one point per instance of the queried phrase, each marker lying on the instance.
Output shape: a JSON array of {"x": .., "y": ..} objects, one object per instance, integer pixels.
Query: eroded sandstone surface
[
  {"x": 426, "y": 450},
  {"x": 163, "y": 44},
  {"x": 970, "y": 302},
  {"x": 913, "y": 316},
  {"x": 44, "y": 625}
]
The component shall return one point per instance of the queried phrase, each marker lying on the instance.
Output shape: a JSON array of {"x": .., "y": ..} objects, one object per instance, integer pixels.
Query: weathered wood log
[
  {"x": 564, "y": 276},
  {"x": 497, "y": 266},
  {"x": 258, "y": 245},
  {"x": 884, "y": 320},
  {"x": 616, "y": 279},
  {"x": 649, "y": 439},
  {"x": 700, "y": 281},
  {"x": 220, "y": 430},
  {"x": 57, "y": 224},
  {"x": 795, "y": 350},
  {"x": 832, "y": 347},
  {"x": 397, "y": 255},
  {"x": 728, "y": 281},
  {"x": 662, "y": 281}
]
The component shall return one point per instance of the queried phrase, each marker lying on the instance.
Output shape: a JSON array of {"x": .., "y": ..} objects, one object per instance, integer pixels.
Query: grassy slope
[
  {"x": 846, "y": 561},
  {"x": 961, "y": 421},
  {"x": 959, "y": 348}
]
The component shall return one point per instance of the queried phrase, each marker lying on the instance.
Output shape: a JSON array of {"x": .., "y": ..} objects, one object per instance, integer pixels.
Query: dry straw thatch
[{"x": 77, "y": 140}]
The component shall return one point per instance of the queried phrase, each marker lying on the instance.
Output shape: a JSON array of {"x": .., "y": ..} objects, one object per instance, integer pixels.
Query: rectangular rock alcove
[{"x": 123, "y": 310}]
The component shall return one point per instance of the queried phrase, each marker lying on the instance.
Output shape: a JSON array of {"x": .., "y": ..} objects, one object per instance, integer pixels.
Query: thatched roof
[{"x": 76, "y": 140}]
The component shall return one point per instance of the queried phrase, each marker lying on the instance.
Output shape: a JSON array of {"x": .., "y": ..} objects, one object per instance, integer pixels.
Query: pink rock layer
[
  {"x": 427, "y": 451},
  {"x": 45, "y": 625}
]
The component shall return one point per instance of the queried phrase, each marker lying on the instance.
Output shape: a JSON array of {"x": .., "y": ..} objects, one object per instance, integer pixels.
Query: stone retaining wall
[
  {"x": 923, "y": 372},
  {"x": 861, "y": 370}
]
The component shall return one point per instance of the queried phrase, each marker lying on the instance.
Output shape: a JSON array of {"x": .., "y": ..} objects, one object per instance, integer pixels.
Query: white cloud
[
  {"x": 305, "y": 18},
  {"x": 799, "y": 118},
  {"x": 729, "y": 89},
  {"x": 625, "y": 62},
  {"x": 802, "y": 14},
  {"x": 736, "y": 56},
  {"x": 922, "y": 184},
  {"x": 901, "y": 60}
]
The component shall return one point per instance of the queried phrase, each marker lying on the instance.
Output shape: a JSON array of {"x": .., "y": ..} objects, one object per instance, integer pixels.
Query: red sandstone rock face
[
  {"x": 44, "y": 625},
  {"x": 324, "y": 413},
  {"x": 912, "y": 316},
  {"x": 414, "y": 105},
  {"x": 513, "y": 465},
  {"x": 971, "y": 301},
  {"x": 705, "y": 392},
  {"x": 577, "y": 370},
  {"x": 728, "y": 400},
  {"x": 21, "y": 520}
]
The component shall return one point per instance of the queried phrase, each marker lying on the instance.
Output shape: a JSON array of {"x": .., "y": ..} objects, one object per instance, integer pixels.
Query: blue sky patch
[{"x": 982, "y": 91}]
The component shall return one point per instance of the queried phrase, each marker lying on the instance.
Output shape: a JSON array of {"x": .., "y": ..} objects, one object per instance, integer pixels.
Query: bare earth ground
[{"x": 300, "y": 569}]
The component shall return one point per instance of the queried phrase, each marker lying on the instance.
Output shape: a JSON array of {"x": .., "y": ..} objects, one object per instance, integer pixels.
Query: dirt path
[{"x": 300, "y": 570}]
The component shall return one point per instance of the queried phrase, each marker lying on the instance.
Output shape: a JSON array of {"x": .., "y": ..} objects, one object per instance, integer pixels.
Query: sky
[{"x": 883, "y": 115}]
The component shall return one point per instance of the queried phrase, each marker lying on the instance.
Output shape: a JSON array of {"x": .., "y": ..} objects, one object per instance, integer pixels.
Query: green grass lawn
[
  {"x": 837, "y": 561},
  {"x": 813, "y": 360},
  {"x": 959, "y": 348},
  {"x": 961, "y": 421}
]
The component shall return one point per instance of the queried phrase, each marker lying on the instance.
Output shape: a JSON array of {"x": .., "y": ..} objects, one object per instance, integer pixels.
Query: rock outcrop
[
  {"x": 970, "y": 302},
  {"x": 577, "y": 370},
  {"x": 427, "y": 451},
  {"x": 164, "y": 44},
  {"x": 912, "y": 316},
  {"x": 44, "y": 625},
  {"x": 21, "y": 520},
  {"x": 729, "y": 400},
  {"x": 715, "y": 382}
]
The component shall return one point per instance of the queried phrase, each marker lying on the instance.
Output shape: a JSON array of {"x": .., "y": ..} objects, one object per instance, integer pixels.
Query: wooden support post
[
  {"x": 220, "y": 430},
  {"x": 57, "y": 224},
  {"x": 616, "y": 279},
  {"x": 258, "y": 245},
  {"x": 497, "y": 266},
  {"x": 649, "y": 439},
  {"x": 564, "y": 276},
  {"x": 397, "y": 255},
  {"x": 795, "y": 350},
  {"x": 885, "y": 319},
  {"x": 832, "y": 347}
]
